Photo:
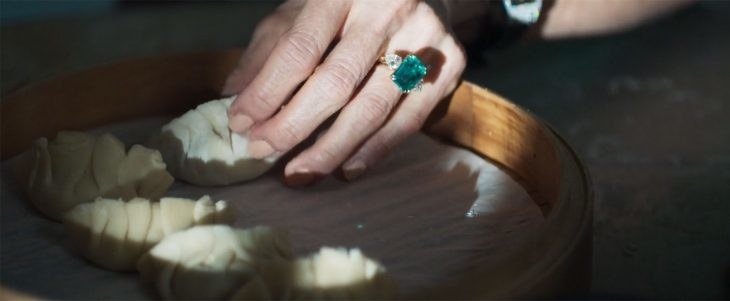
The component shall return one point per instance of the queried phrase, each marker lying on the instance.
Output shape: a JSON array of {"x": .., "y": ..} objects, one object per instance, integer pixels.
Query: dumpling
[
  {"x": 330, "y": 274},
  {"x": 77, "y": 167},
  {"x": 211, "y": 262},
  {"x": 114, "y": 234},
  {"x": 200, "y": 149}
]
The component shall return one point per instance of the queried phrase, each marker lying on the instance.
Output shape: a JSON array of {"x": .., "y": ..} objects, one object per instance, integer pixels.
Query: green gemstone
[{"x": 409, "y": 74}]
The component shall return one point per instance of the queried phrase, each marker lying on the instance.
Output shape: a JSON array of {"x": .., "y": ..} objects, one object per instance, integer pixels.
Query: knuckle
[
  {"x": 461, "y": 66},
  {"x": 378, "y": 30},
  {"x": 413, "y": 124},
  {"x": 458, "y": 52},
  {"x": 262, "y": 98},
  {"x": 450, "y": 44},
  {"x": 376, "y": 108},
  {"x": 289, "y": 134},
  {"x": 382, "y": 25},
  {"x": 326, "y": 155},
  {"x": 391, "y": 17},
  {"x": 340, "y": 77},
  {"x": 302, "y": 48}
]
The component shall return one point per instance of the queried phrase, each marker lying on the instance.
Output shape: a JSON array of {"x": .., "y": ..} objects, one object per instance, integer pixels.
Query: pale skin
[{"x": 314, "y": 60}]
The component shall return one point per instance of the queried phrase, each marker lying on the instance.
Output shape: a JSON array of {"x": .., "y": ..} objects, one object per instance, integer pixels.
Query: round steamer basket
[{"x": 472, "y": 118}]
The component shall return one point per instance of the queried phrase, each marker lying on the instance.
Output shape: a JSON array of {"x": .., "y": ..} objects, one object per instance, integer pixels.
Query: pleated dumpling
[
  {"x": 114, "y": 234},
  {"x": 211, "y": 262},
  {"x": 200, "y": 149},
  {"x": 330, "y": 274},
  {"x": 77, "y": 167}
]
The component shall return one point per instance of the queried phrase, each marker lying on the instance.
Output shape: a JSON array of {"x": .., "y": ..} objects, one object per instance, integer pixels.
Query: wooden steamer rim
[{"x": 473, "y": 118}]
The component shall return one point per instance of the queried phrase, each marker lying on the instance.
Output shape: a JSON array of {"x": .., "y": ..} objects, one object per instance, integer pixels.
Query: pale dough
[
  {"x": 77, "y": 167},
  {"x": 200, "y": 149},
  {"x": 330, "y": 274},
  {"x": 114, "y": 234},
  {"x": 211, "y": 262}
]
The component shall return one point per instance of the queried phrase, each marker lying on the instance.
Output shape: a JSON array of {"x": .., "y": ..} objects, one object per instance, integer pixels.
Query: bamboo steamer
[{"x": 473, "y": 118}]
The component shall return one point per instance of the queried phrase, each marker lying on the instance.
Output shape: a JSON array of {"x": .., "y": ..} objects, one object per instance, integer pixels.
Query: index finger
[{"x": 292, "y": 60}]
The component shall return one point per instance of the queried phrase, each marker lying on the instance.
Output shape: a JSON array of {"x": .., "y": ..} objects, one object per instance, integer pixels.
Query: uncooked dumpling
[
  {"x": 330, "y": 274},
  {"x": 77, "y": 167},
  {"x": 199, "y": 148},
  {"x": 114, "y": 233},
  {"x": 211, "y": 262}
]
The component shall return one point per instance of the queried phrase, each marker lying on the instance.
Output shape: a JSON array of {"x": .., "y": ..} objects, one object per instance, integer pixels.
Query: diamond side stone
[{"x": 393, "y": 61}]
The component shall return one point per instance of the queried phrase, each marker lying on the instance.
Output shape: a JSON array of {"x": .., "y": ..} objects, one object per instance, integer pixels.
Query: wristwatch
[
  {"x": 525, "y": 12},
  {"x": 508, "y": 20}
]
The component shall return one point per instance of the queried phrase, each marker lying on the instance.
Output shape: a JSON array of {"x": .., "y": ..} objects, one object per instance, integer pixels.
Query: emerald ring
[{"x": 408, "y": 72}]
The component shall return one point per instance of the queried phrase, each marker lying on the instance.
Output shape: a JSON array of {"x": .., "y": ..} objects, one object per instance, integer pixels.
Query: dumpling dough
[
  {"x": 77, "y": 167},
  {"x": 330, "y": 274},
  {"x": 114, "y": 234},
  {"x": 199, "y": 148},
  {"x": 211, "y": 262}
]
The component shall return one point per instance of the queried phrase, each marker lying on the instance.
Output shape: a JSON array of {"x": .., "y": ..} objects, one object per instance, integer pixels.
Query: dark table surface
[{"x": 646, "y": 110}]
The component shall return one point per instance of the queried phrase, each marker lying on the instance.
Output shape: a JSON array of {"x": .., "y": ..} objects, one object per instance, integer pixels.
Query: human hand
[{"x": 313, "y": 59}]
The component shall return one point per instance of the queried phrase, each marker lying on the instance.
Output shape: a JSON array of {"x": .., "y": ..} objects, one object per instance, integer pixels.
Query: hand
[{"x": 313, "y": 59}]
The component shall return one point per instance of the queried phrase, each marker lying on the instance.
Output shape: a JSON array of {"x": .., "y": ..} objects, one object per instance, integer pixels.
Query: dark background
[{"x": 648, "y": 111}]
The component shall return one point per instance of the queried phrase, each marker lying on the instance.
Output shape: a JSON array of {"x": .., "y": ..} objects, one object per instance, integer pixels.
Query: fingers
[
  {"x": 263, "y": 40},
  {"x": 325, "y": 92},
  {"x": 290, "y": 62},
  {"x": 409, "y": 116},
  {"x": 365, "y": 114},
  {"x": 370, "y": 109},
  {"x": 374, "y": 116}
]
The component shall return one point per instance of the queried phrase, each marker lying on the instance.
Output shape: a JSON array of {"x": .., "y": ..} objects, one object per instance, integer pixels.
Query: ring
[{"x": 408, "y": 72}]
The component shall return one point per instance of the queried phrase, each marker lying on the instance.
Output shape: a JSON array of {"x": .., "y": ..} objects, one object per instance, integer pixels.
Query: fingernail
[
  {"x": 300, "y": 178},
  {"x": 260, "y": 149},
  {"x": 354, "y": 170},
  {"x": 239, "y": 123}
]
